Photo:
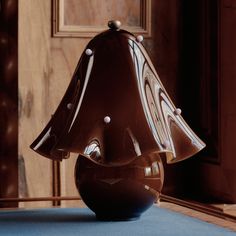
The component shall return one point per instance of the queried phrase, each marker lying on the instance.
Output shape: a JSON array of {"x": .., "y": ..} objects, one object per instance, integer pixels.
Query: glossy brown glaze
[
  {"x": 117, "y": 115},
  {"x": 117, "y": 80},
  {"x": 123, "y": 192}
]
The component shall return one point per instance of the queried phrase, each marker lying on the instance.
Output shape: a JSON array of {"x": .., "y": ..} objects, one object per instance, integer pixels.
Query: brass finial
[{"x": 114, "y": 24}]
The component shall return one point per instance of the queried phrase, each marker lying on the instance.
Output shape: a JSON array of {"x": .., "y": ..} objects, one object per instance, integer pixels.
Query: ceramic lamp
[{"x": 121, "y": 122}]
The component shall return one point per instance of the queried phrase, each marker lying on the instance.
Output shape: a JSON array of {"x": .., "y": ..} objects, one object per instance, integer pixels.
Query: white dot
[
  {"x": 139, "y": 38},
  {"x": 178, "y": 111},
  {"x": 69, "y": 106},
  {"x": 107, "y": 119},
  {"x": 146, "y": 187},
  {"x": 88, "y": 52},
  {"x": 166, "y": 143}
]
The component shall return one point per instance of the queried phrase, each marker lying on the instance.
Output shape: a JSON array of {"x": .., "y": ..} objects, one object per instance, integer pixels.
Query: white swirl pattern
[{"x": 160, "y": 111}]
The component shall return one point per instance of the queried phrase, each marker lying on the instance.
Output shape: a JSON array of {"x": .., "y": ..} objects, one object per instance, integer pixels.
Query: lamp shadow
[{"x": 47, "y": 216}]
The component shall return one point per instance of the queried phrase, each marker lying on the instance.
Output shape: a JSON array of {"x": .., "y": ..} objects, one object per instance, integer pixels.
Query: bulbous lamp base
[{"x": 119, "y": 192}]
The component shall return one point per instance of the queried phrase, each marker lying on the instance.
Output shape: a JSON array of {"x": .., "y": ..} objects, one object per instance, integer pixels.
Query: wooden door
[{"x": 46, "y": 65}]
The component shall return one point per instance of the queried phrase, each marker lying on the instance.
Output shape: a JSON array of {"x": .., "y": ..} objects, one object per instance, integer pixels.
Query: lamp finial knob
[{"x": 114, "y": 24}]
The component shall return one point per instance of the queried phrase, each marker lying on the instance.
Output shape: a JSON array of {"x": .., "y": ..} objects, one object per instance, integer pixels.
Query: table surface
[{"x": 82, "y": 221}]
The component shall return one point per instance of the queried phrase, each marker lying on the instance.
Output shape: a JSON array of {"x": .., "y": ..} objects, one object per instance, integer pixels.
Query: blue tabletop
[{"x": 81, "y": 221}]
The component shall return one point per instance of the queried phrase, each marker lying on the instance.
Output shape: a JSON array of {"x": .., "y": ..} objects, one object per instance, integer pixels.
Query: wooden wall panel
[
  {"x": 224, "y": 183},
  {"x": 207, "y": 87},
  {"x": 97, "y": 12},
  {"x": 86, "y": 18},
  {"x": 35, "y": 103},
  {"x": 218, "y": 180},
  {"x": 46, "y": 65}
]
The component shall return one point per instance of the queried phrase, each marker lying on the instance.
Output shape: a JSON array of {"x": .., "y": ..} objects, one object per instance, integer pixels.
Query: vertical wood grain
[
  {"x": 86, "y": 18},
  {"x": 97, "y": 12},
  {"x": 46, "y": 65}
]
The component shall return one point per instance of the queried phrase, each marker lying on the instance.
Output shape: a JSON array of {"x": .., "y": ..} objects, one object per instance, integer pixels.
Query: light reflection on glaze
[
  {"x": 88, "y": 71},
  {"x": 159, "y": 109}
]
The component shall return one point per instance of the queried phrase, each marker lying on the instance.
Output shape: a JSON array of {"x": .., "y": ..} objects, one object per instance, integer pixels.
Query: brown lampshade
[{"x": 116, "y": 104}]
